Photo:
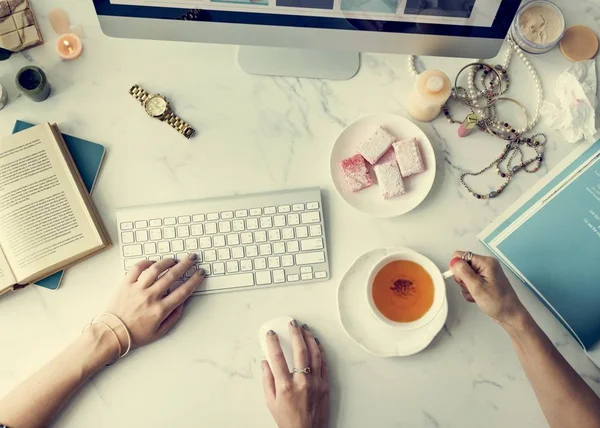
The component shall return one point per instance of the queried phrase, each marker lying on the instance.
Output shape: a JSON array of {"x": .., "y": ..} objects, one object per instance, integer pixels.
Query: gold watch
[{"x": 158, "y": 107}]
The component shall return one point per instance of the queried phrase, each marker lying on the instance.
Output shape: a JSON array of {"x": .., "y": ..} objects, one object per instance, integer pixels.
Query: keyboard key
[
  {"x": 310, "y": 258},
  {"x": 219, "y": 241},
  {"x": 274, "y": 235},
  {"x": 274, "y": 262},
  {"x": 170, "y": 221},
  {"x": 287, "y": 260},
  {"x": 210, "y": 256},
  {"x": 207, "y": 269},
  {"x": 260, "y": 236},
  {"x": 306, "y": 276},
  {"x": 266, "y": 250},
  {"x": 298, "y": 207},
  {"x": 238, "y": 225},
  {"x": 255, "y": 211},
  {"x": 311, "y": 244},
  {"x": 237, "y": 252},
  {"x": 246, "y": 238},
  {"x": 150, "y": 248},
  {"x": 127, "y": 237},
  {"x": 141, "y": 235},
  {"x": 169, "y": 232},
  {"x": 278, "y": 248},
  {"x": 126, "y": 225},
  {"x": 212, "y": 216},
  {"x": 197, "y": 230},
  {"x": 205, "y": 242},
  {"x": 320, "y": 275},
  {"x": 155, "y": 234},
  {"x": 293, "y": 278},
  {"x": 141, "y": 223},
  {"x": 164, "y": 247},
  {"x": 270, "y": 210},
  {"x": 263, "y": 278},
  {"x": 284, "y": 209},
  {"x": 226, "y": 282},
  {"x": 232, "y": 266},
  {"x": 210, "y": 228},
  {"x": 198, "y": 218},
  {"x": 287, "y": 233},
  {"x": 218, "y": 268},
  {"x": 293, "y": 246},
  {"x": 156, "y": 222},
  {"x": 184, "y": 219},
  {"x": 132, "y": 250},
  {"x": 245, "y": 265},
  {"x": 312, "y": 206},
  {"x": 306, "y": 269},
  {"x": 278, "y": 276},
  {"x": 260, "y": 263},
  {"x": 225, "y": 226},
  {"x": 129, "y": 263},
  {"x": 293, "y": 219},
  {"x": 183, "y": 231},
  {"x": 233, "y": 239},
  {"x": 302, "y": 232},
  {"x": 252, "y": 224},
  {"x": 279, "y": 221},
  {"x": 311, "y": 217},
  {"x": 224, "y": 254},
  {"x": 177, "y": 245},
  {"x": 241, "y": 213},
  {"x": 251, "y": 251},
  {"x": 266, "y": 222},
  {"x": 191, "y": 244},
  {"x": 154, "y": 258},
  {"x": 227, "y": 215},
  {"x": 316, "y": 230}
]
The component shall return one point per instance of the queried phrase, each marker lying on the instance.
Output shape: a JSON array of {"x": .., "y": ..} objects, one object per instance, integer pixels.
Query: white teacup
[{"x": 439, "y": 289}]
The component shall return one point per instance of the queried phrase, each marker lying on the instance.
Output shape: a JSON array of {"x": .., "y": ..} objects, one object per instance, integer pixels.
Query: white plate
[
  {"x": 370, "y": 201},
  {"x": 364, "y": 328}
]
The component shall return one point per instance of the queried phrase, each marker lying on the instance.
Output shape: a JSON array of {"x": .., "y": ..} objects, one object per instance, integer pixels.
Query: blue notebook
[
  {"x": 550, "y": 238},
  {"x": 88, "y": 157}
]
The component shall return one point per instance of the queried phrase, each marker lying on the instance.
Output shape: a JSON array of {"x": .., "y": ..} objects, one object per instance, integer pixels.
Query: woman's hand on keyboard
[
  {"x": 297, "y": 400},
  {"x": 144, "y": 303}
]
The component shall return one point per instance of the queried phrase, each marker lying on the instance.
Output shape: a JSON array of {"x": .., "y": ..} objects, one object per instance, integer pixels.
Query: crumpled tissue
[{"x": 576, "y": 91}]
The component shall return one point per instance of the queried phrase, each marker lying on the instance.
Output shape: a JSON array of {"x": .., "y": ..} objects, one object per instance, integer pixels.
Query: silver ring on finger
[
  {"x": 303, "y": 370},
  {"x": 468, "y": 257}
]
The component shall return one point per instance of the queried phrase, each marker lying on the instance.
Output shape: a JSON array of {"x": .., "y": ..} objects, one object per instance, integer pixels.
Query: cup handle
[{"x": 447, "y": 274}]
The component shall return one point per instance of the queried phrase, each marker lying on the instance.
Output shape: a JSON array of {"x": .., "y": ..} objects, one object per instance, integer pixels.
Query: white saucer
[
  {"x": 370, "y": 333},
  {"x": 369, "y": 201}
]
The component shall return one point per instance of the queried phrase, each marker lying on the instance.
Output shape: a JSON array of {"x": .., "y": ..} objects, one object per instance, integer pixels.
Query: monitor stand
[{"x": 315, "y": 64}]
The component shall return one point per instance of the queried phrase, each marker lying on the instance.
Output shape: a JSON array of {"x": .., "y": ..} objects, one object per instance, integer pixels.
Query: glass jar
[{"x": 528, "y": 45}]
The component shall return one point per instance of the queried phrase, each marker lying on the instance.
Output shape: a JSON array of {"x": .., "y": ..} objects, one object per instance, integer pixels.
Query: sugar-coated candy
[
  {"x": 356, "y": 173},
  {"x": 409, "y": 157},
  {"x": 388, "y": 176},
  {"x": 379, "y": 143}
]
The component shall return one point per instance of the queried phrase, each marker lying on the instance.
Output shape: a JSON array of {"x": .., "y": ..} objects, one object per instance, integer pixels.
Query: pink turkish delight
[
  {"x": 409, "y": 157},
  {"x": 375, "y": 147},
  {"x": 388, "y": 176},
  {"x": 356, "y": 173}
]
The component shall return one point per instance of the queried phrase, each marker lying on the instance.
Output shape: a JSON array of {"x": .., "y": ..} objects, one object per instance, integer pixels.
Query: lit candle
[{"x": 69, "y": 46}]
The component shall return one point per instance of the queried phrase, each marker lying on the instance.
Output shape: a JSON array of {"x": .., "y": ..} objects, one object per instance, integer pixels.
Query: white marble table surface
[{"x": 258, "y": 134}]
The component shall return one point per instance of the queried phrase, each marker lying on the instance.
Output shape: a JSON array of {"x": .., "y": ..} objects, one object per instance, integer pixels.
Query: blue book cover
[
  {"x": 88, "y": 158},
  {"x": 551, "y": 240}
]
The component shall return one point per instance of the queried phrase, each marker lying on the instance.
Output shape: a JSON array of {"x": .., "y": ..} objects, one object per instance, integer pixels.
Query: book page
[
  {"x": 43, "y": 218},
  {"x": 6, "y": 276}
]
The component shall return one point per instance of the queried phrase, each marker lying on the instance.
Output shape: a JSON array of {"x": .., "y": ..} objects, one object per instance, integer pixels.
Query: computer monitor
[{"x": 317, "y": 38}]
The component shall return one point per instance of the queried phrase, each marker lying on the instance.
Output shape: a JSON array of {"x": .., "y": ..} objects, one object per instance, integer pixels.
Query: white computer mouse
[{"x": 280, "y": 326}]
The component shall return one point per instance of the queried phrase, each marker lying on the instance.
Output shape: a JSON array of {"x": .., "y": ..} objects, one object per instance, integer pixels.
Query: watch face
[{"x": 156, "y": 106}]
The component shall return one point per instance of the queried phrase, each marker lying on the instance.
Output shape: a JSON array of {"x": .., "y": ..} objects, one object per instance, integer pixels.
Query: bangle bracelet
[
  {"x": 124, "y": 327},
  {"x": 114, "y": 334}
]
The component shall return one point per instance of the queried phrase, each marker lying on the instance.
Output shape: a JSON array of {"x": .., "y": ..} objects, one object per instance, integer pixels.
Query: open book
[
  {"x": 550, "y": 238},
  {"x": 47, "y": 219}
]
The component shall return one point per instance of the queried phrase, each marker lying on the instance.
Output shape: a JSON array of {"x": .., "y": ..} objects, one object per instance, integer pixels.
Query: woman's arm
[
  {"x": 566, "y": 400},
  {"x": 143, "y": 304}
]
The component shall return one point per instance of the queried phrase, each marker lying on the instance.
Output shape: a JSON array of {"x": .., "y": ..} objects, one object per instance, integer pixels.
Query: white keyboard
[{"x": 242, "y": 242}]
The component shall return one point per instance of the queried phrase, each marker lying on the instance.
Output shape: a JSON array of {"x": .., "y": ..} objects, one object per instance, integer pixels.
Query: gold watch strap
[
  {"x": 178, "y": 124},
  {"x": 138, "y": 93}
]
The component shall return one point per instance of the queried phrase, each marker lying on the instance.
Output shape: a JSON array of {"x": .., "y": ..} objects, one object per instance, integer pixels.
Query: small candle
[{"x": 69, "y": 46}]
